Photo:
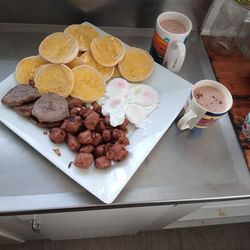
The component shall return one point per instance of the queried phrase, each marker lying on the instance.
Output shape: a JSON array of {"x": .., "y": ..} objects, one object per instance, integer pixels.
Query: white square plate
[{"x": 107, "y": 184}]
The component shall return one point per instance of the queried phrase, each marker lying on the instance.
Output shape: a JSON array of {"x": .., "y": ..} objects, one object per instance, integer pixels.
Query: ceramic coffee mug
[
  {"x": 196, "y": 115},
  {"x": 168, "y": 48}
]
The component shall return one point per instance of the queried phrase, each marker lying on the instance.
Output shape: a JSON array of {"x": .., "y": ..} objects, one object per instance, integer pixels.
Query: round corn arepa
[
  {"x": 76, "y": 62},
  {"x": 26, "y": 68},
  {"x": 54, "y": 78},
  {"x": 116, "y": 72},
  {"x": 84, "y": 35},
  {"x": 136, "y": 65},
  {"x": 59, "y": 47},
  {"x": 41, "y": 67},
  {"x": 89, "y": 84},
  {"x": 107, "y": 50},
  {"x": 106, "y": 72}
]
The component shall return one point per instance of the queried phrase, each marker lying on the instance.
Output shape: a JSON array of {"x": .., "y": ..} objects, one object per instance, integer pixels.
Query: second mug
[{"x": 171, "y": 32}]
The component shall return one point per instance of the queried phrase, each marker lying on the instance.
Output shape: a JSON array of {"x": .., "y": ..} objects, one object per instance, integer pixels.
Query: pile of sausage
[{"x": 89, "y": 133}]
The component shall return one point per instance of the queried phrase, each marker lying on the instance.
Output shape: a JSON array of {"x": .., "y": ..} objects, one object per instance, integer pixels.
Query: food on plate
[
  {"x": 87, "y": 149},
  {"x": 59, "y": 47},
  {"x": 50, "y": 108},
  {"x": 84, "y": 34},
  {"x": 57, "y": 135},
  {"x": 72, "y": 124},
  {"x": 143, "y": 94},
  {"x": 44, "y": 124},
  {"x": 76, "y": 62},
  {"x": 91, "y": 121},
  {"x": 117, "y": 87},
  {"x": 102, "y": 162},
  {"x": 84, "y": 160},
  {"x": 54, "y": 78},
  {"x": 90, "y": 132},
  {"x": 116, "y": 72},
  {"x": 135, "y": 113},
  {"x": 115, "y": 107},
  {"x": 106, "y": 72},
  {"x": 57, "y": 151},
  {"x": 75, "y": 103},
  {"x": 89, "y": 84},
  {"x": 107, "y": 50},
  {"x": 123, "y": 100},
  {"x": 85, "y": 137},
  {"x": 26, "y": 68},
  {"x": 116, "y": 152},
  {"x": 19, "y": 95},
  {"x": 136, "y": 65},
  {"x": 72, "y": 142},
  {"x": 25, "y": 109}
]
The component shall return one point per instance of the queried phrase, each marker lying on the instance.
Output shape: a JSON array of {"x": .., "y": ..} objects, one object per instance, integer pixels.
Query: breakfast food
[
  {"x": 89, "y": 84},
  {"x": 136, "y": 65},
  {"x": 123, "y": 100},
  {"x": 19, "y": 95},
  {"x": 84, "y": 35},
  {"x": 117, "y": 86},
  {"x": 116, "y": 72},
  {"x": 61, "y": 86},
  {"x": 90, "y": 133},
  {"x": 106, "y": 72},
  {"x": 59, "y": 47},
  {"x": 26, "y": 68},
  {"x": 107, "y": 50},
  {"x": 76, "y": 62},
  {"x": 25, "y": 109},
  {"x": 54, "y": 78},
  {"x": 50, "y": 108}
]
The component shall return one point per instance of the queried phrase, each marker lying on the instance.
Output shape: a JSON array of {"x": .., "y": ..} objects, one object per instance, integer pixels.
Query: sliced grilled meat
[
  {"x": 25, "y": 110},
  {"x": 50, "y": 108},
  {"x": 19, "y": 95}
]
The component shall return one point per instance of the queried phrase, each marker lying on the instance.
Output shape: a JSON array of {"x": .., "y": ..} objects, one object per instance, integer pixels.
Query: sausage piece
[
  {"x": 85, "y": 112},
  {"x": 72, "y": 124},
  {"x": 102, "y": 162},
  {"x": 91, "y": 120},
  {"x": 85, "y": 137},
  {"x": 106, "y": 135},
  {"x": 72, "y": 142},
  {"x": 123, "y": 140},
  {"x": 117, "y": 133},
  {"x": 124, "y": 125},
  {"x": 100, "y": 150},
  {"x": 97, "y": 108},
  {"x": 116, "y": 152},
  {"x": 75, "y": 102},
  {"x": 96, "y": 139},
  {"x": 84, "y": 160},
  {"x": 75, "y": 111},
  {"x": 87, "y": 149},
  {"x": 57, "y": 135}
]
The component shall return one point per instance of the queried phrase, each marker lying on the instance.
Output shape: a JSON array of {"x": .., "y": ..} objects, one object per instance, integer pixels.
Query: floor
[{"x": 229, "y": 237}]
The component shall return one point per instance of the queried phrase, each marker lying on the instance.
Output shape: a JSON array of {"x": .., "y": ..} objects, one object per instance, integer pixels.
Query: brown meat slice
[
  {"x": 50, "y": 108},
  {"x": 20, "y": 95},
  {"x": 44, "y": 124},
  {"x": 25, "y": 109}
]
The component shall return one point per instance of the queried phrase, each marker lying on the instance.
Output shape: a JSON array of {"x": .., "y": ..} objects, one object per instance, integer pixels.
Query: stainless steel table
[{"x": 185, "y": 166}]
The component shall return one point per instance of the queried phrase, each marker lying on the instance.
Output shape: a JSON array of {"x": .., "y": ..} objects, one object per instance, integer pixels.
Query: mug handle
[
  {"x": 175, "y": 56},
  {"x": 183, "y": 122}
]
